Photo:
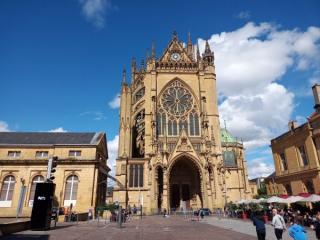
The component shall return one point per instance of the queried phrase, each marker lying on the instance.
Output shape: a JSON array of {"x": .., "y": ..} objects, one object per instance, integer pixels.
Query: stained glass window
[{"x": 177, "y": 100}]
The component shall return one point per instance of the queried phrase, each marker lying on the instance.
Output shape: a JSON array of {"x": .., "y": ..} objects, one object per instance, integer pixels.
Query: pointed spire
[
  {"x": 208, "y": 56},
  {"x": 133, "y": 64},
  {"x": 148, "y": 55},
  {"x": 142, "y": 65},
  {"x": 198, "y": 53},
  {"x": 153, "y": 51},
  {"x": 174, "y": 35},
  {"x": 189, "y": 46},
  {"x": 207, "y": 49},
  {"x": 189, "y": 39},
  {"x": 124, "y": 76}
]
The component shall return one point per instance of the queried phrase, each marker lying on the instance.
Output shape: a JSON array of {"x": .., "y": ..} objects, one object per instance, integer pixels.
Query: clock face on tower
[
  {"x": 177, "y": 101},
  {"x": 175, "y": 57}
]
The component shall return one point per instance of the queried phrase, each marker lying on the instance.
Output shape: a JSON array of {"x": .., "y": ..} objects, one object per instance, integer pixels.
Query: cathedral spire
[
  {"x": 124, "y": 76},
  {"x": 175, "y": 35},
  {"x": 133, "y": 68},
  {"x": 207, "y": 49},
  {"x": 153, "y": 51},
  {"x": 189, "y": 46},
  {"x": 198, "y": 53},
  {"x": 142, "y": 65},
  {"x": 208, "y": 56}
]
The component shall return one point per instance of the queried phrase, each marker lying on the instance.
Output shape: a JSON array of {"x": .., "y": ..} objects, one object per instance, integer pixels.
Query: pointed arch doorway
[{"x": 184, "y": 184}]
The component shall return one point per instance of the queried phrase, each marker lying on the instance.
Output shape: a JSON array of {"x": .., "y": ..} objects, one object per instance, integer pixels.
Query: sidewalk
[{"x": 247, "y": 227}]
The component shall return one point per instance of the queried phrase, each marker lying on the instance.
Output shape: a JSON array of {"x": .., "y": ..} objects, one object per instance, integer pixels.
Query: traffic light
[{"x": 52, "y": 164}]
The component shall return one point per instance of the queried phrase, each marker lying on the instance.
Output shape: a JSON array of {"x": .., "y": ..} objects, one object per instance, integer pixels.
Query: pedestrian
[
  {"x": 316, "y": 226},
  {"x": 278, "y": 223},
  {"x": 258, "y": 221},
  {"x": 296, "y": 231}
]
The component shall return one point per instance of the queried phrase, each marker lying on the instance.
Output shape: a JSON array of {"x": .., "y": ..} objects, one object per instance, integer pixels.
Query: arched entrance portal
[{"x": 184, "y": 182}]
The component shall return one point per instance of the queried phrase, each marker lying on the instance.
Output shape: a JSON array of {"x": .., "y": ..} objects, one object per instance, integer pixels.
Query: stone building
[
  {"x": 172, "y": 152},
  {"x": 271, "y": 185},
  {"x": 81, "y": 169},
  {"x": 296, "y": 155}
]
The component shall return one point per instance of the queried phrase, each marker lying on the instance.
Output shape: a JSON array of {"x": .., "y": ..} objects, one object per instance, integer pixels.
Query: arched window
[
  {"x": 139, "y": 95},
  {"x": 71, "y": 190},
  {"x": 35, "y": 180},
  {"x": 169, "y": 127},
  {"x": 194, "y": 124},
  {"x": 191, "y": 124},
  {"x": 159, "y": 124},
  {"x": 229, "y": 159},
  {"x": 183, "y": 125},
  {"x": 164, "y": 123},
  {"x": 7, "y": 189},
  {"x": 174, "y": 128}
]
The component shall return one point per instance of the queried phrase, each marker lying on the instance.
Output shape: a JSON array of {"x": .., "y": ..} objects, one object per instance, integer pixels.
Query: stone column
[{"x": 166, "y": 192}]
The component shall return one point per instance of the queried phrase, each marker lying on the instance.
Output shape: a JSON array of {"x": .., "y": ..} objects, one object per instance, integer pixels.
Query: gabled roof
[
  {"x": 50, "y": 138},
  {"x": 175, "y": 46}
]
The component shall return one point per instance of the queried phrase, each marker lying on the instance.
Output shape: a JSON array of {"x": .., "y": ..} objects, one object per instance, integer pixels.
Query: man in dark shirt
[{"x": 258, "y": 221}]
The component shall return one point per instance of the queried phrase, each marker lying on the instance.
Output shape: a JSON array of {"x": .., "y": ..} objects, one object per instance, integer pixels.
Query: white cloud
[
  {"x": 59, "y": 129},
  {"x": 115, "y": 102},
  {"x": 95, "y": 10},
  {"x": 113, "y": 153},
  {"x": 259, "y": 168},
  {"x": 97, "y": 115},
  {"x": 250, "y": 63},
  {"x": 244, "y": 15},
  {"x": 256, "y": 118},
  {"x": 4, "y": 127}
]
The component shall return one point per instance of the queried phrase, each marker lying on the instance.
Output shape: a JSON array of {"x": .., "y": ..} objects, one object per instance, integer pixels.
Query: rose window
[{"x": 177, "y": 100}]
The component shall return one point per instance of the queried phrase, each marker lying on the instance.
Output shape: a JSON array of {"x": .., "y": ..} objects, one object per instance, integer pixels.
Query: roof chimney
[{"x": 316, "y": 95}]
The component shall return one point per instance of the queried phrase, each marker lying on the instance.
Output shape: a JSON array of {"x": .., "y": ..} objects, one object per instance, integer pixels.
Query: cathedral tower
[{"x": 172, "y": 152}]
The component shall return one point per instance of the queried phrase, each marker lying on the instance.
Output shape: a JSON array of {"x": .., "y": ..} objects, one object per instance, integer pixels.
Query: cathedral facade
[{"x": 172, "y": 152}]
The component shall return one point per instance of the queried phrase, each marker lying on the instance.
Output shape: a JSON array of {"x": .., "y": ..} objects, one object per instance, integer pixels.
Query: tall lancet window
[
  {"x": 161, "y": 123},
  {"x": 194, "y": 124}
]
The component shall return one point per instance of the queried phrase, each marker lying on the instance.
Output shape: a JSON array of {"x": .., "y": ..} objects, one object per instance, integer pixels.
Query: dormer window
[
  {"x": 14, "y": 154},
  {"x": 74, "y": 153}
]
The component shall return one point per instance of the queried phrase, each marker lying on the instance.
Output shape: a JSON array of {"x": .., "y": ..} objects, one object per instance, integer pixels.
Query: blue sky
[{"x": 61, "y": 62}]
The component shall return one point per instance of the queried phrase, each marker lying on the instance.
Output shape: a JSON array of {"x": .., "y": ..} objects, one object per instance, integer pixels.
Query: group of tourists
[{"x": 287, "y": 220}]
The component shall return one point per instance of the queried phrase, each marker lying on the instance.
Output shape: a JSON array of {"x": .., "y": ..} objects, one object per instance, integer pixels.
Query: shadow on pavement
[{"x": 25, "y": 237}]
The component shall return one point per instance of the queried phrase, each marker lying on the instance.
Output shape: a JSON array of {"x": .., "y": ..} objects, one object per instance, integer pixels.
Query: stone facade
[
  {"x": 296, "y": 155},
  {"x": 27, "y": 162},
  {"x": 271, "y": 185},
  {"x": 171, "y": 149}
]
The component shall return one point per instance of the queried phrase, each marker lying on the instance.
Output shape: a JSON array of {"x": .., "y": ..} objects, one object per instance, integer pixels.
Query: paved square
[{"x": 151, "y": 227}]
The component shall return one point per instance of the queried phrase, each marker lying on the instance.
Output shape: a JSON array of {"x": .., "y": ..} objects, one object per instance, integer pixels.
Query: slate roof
[{"x": 50, "y": 138}]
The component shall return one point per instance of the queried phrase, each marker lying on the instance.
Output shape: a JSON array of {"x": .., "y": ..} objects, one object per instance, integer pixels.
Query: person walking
[
  {"x": 316, "y": 226},
  {"x": 296, "y": 231},
  {"x": 258, "y": 221},
  {"x": 278, "y": 223}
]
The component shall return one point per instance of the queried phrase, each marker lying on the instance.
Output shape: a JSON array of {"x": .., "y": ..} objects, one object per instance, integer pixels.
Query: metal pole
[{"x": 120, "y": 217}]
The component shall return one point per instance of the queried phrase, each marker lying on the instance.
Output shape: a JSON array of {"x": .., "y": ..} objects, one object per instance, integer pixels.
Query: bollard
[{"x": 120, "y": 217}]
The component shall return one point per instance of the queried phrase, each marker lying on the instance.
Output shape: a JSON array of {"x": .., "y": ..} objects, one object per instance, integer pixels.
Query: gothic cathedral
[{"x": 172, "y": 152}]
